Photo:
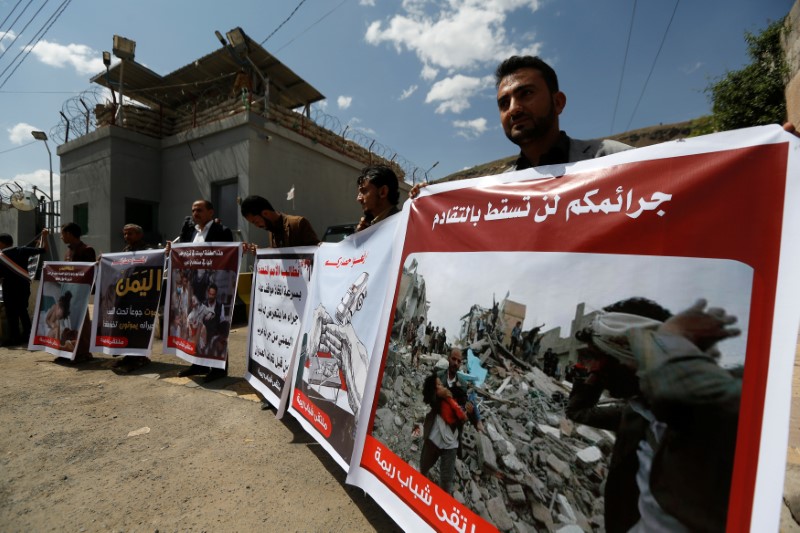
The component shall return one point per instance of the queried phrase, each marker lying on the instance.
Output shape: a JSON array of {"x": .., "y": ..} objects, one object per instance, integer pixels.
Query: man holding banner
[
  {"x": 204, "y": 229},
  {"x": 285, "y": 230},
  {"x": 17, "y": 285}
]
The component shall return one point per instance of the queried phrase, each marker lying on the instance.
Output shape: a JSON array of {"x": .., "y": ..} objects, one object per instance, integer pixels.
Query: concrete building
[{"x": 230, "y": 124}]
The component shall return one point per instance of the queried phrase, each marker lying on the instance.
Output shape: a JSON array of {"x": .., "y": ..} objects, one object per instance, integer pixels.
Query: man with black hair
[
  {"x": 378, "y": 194},
  {"x": 530, "y": 103},
  {"x": 17, "y": 286},
  {"x": 285, "y": 230},
  {"x": 199, "y": 229},
  {"x": 77, "y": 250},
  {"x": 202, "y": 227}
]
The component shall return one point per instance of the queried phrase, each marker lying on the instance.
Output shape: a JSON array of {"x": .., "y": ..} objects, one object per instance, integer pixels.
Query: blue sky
[{"x": 415, "y": 74}]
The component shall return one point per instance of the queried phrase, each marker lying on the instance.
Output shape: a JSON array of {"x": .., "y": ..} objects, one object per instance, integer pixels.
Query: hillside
[{"x": 637, "y": 138}]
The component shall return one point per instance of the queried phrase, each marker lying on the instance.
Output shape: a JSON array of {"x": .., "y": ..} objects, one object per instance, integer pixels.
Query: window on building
[
  {"x": 224, "y": 195},
  {"x": 145, "y": 214},
  {"x": 80, "y": 216}
]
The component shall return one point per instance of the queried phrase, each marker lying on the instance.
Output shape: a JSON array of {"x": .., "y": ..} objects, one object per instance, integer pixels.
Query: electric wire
[
  {"x": 17, "y": 147},
  {"x": 23, "y": 29},
  {"x": 42, "y": 32},
  {"x": 622, "y": 74},
  {"x": 293, "y": 39},
  {"x": 9, "y": 15},
  {"x": 284, "y": 22},
  {"x": 652, "y": 68}
]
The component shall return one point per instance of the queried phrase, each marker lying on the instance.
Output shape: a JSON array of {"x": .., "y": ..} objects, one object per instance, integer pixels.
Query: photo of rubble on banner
[
  {"x": 598, "y": 347},
  {"x": 544, "y": 427},
  {"x": 199, "y": 303}
]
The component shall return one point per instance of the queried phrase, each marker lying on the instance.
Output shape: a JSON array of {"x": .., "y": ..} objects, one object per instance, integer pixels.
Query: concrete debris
[
  {"x": 589, "y": 455},
  {"x": 530, "y": 469}
]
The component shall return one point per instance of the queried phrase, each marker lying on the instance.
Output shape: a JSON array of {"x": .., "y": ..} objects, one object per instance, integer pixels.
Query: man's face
[
  {"x": 131, "y": 236},
  {"x": 257, "y": 220},
  {"x": 67, "y": 238},
  {"x": 528, "y": 110},
  {"x": 373, "y": 199},
  {"x": 454, "y": 361},
  {"x": 211, "y": 295},
  {"x": 201, "y": 214}
]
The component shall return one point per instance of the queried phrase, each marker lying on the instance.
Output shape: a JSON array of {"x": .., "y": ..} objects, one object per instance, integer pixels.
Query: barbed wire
[
  {"x": 78, "y": 118},
  {"x": 413, "y": 172}
]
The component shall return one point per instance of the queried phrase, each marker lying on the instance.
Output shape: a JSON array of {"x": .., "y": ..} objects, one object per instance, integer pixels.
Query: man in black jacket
[
  {"x": 203, "y": 228},
  {"x": 17, "y": 286}
]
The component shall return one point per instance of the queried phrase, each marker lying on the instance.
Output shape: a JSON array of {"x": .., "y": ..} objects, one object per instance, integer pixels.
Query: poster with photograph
[
  {"x": 61, "y": 306},
  {"x": 201, "y": 290},
  {"x": 619, "y": 335},
  {"x": 278, "y": 299},
  {"x": 126, "y": 302},
  {"x": 349, "y": 288}
]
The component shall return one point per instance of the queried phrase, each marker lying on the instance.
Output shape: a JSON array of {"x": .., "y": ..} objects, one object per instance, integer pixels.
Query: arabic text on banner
[
  {"x": 278, "y": 298},
  {"x": 669, "y": 224},
  {"x": 349, "y": 289},
  {"x": 126, "y": 302}
]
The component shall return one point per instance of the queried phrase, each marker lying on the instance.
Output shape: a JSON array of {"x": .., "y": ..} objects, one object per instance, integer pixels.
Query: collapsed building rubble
[{"x": 531, "y": 469}]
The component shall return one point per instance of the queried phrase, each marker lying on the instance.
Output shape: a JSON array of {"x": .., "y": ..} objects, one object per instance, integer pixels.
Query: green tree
[{"x": 754, "y": 95}]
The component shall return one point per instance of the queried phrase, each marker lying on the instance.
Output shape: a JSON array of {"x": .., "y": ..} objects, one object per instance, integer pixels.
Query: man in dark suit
[{"x": 203, "y": 228}]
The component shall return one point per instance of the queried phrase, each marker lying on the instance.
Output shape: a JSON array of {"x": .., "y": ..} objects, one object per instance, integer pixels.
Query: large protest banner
[
  {"x": 61, "y": 306},
  {"x": 199, "y": 304},
  {"x": 602, "y": 260},
  {"x": 126, "y": 302},
  {"x": 278, "y": 299},
  {"x": 349, "y": 289}
]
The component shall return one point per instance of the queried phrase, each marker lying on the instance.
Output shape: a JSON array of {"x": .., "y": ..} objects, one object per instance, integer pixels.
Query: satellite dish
[
  {"x": 24, "y": 200},
  {"x": 18, "y": 193}
]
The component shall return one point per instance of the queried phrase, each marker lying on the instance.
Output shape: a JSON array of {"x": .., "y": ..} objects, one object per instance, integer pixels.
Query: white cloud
[
  {"x": 20, "y": 133},
  {"x": 428, "y": 73},
  {"x": 470, "y": 129},
  {"x": 453, "y": 93},
  {"x": 355, "y": 124},
  {"x": 344, "y": 101},
  {"x": 370, "y": 3},
  {"x": 464, "y": 34},
  {"x": 6, "y": 36},
  {"x": 408, "y": 92},
  {"x": 83, "y": 59},
  {"x": 40, "y": 178}
]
